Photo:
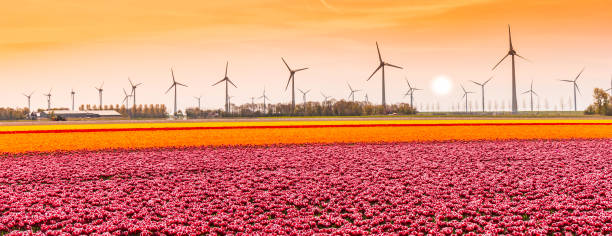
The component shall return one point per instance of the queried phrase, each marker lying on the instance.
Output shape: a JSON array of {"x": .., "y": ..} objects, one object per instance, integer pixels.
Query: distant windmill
[
  {"x": 292, "y": 80},
  {"x": 227, "y": 80},
  {"x": 304, "y": 93},
  {"x": 72, "y": 93},
  {"x": 126, "y": 99},
  {"x": 29, "y": 97},
  {"x": 352, "y": 94},
  {"x": 410, "y": 92},
  {"x": 610, "y": 89},
  {"x": 174, "y": 85},
  {"x": 100, "y": 89},
  {"x": 531, "y": 93},
  {"x": 367, "y": 100},
  {"x": 134, "y": 86},
  {"x": 48, "y": 95},
  {"x": 575, "y": 87},
  {"x": 382, "y": 66},
  {"x": 253, "y": 101},
  {"x": 199, "y": 100},
  {"x": 465, "y": 95},
  {"x": 325, "y": 97},
  {"x": 512, "y": 53},
  {"x": 482, "y": 87},
  {"x": 264, "y": 97}
]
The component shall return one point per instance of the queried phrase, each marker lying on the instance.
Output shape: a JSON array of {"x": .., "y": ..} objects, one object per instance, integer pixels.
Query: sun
[{"x": 441, "y": 85}]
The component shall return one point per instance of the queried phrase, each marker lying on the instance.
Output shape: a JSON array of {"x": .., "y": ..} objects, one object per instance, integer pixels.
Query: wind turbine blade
[
  {"x": 181, "y": 84},
  {"x": 487, "y": 81},
  {"x": 534, "y": 92},
  {"x": 476, "y": 83},
  {"x": 500, "y": 61},
  {"x": 522, "y": 57},
  {"x": 301, "y": 91},
  {"x": 463, "y": 88},
  {"x": 232, "y": 83},
  {"x": 349, "y": 85},
  {"x": 301, "y": 69},
  {"x": 172, "y": 71},
  {"x": 138, "y": 84},
  {"x": 378, "y": 50},
  {"x": 173, "y": 84},
  {"x": 374, "y": 72},
  {"x": 290, "y": 77},
  {"x": 577, "y": 88},
  {"x": 218, "y": 82},
  {"x": 579, "y": 74},
  {"x": 391, "y": 65},
  {"x": 226, "y": 65},
  {"x": 565, "y": 80},
  {"x": 526, "y": 92},
  {"x": 130, "y": 82},
  {"x": 289, "y": 68},
  {"x": 510, "y": 37},
  {"x": 308, "y": 91}
]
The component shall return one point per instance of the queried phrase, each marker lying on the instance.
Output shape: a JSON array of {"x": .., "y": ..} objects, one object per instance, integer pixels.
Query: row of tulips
[{"x": 527, "y": 187}]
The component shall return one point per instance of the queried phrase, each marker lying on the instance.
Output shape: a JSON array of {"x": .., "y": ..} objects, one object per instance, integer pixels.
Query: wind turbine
[
  {"x": 199, "y": 99},
  {"x": 531, "y": 93},
  {"x": 304, "y": 95},
  {"x": 100, "y": 89},
  {"x": 352, "y": 94},
  {"x": 175, "y": 85},
  {"x": 72, "y": 93},
  {"x": 465, "y": 95},
  {"x": 367, "y": 100},
  {"x": 482, "y": 87},
  {"x": 381, "y": 66},
  {"x": 134, "y": 86},
  {"x": 48, "y": 95},
  {"x": 411, "y": 92},
  {"x": 227, "y": 80},
  {"x": 264, "y": 99},
  {"x": 610, "y": 89},
  {"x": 29, "y": 96},
  {"x": 292, "y": 80},
  {"x": 512, "y": 53},
  {"x": 325, "y": 97},
  {"x": 575, "y": 87},
  {"x": 126, "y": 99}
]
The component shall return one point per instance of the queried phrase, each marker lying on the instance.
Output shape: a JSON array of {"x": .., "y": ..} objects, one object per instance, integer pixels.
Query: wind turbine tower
[
  {"x": 134, "y": 86},
  {"x": 465, "y": 95},
  {"x": 264, "y": 99},
  {"x": 292, "y": 80},
  {"x": 226, "y": 80},
  {"x": 29, "y": 97},
  {"x": 199, "y": 104},
  {"x": 174, "y": 85},
  {"x": 575, "y": 87},
  {"x": 531, "y": 93},
  {"x": 352, "y": 94},
  {"x": 512, "y": 53},
  {"x": 72, "y": 93},
  {"x": 48, "y": 95},
  {"x": 304, "y": 93},
  {"x": 410, "y": 92},
  {"x": 482, "y": 87},
  {"x": 100, "y": 89},
  {"x": 381, "y": 66}
]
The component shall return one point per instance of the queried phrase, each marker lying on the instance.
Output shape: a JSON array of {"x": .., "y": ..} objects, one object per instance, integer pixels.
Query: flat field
[{"x": 354, "y": 177}]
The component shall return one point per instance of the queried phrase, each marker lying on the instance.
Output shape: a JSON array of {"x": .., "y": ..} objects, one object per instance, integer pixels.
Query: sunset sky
[{"x": 64, "y": 44}]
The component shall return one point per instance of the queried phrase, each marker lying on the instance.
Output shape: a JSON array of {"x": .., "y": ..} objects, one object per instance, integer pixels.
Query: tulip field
[{"x": 462, "y": 177}]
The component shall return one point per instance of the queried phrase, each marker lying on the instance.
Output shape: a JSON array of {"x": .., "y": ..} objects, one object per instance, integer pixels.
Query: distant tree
[{"x": 602, "y": 103}]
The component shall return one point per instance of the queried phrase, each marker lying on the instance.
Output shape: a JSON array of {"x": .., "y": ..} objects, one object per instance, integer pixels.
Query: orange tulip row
[{"x": 136, "y": 139}]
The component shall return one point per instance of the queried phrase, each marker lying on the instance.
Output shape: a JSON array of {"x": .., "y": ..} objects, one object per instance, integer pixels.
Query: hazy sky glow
[{"x": 66, "y": 44}]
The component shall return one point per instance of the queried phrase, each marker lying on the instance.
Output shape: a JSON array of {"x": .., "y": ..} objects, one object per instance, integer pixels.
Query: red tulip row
[{"x": 529, "y": 187}]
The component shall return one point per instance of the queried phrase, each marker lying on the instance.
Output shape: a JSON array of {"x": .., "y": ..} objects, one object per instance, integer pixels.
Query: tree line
[
  {"x": 328, "y": 108},
  {"x": 602, "y": 103},
  {"x": 140, "y": 111}
]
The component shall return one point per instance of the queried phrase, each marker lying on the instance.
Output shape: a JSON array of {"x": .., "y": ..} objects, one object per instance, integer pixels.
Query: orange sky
[{"x": 67, "y": 44}]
